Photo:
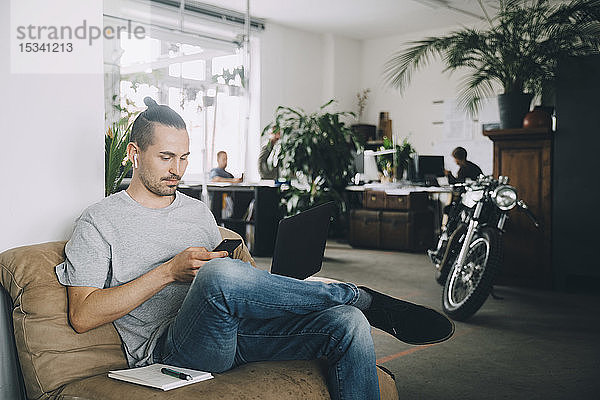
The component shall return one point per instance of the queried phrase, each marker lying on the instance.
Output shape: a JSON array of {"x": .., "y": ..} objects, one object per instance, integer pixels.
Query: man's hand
[{"x": 184, "y": 266}]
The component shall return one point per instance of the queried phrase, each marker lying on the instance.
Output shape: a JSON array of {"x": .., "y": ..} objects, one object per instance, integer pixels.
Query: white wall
[
  {"x": 303, "y": 69},
  {"x": 291, "y": 70},
  {"x": 413, "y": 113},
  {"x": 347, "y": 70},
  {"x": 52, "y": 146},
  {"x": 342, "y": 71}
]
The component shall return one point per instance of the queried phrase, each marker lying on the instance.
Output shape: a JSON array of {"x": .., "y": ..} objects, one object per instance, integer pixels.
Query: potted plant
[
  {"x": 394, "y": 165},
  {"x": 315, "y": 155},
  {"x": 364, "y": 132},
  {"x": 116, "y": 164},
  {"x": 518, "y": 51}
]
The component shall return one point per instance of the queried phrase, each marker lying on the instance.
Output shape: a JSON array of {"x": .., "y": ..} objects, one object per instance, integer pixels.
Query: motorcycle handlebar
[
  {"x": 480, "y": 183},
  {"x": 528, "y": 212}
]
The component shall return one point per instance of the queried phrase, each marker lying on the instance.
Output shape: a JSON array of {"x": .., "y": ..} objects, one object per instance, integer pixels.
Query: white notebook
[{"x": 151, "y": 376}]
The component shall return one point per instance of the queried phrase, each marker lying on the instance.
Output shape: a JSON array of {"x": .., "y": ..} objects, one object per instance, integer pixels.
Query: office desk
[
  {"x": 399, "y": 188},
  {"x": 396, "y": 216},
  {"x": 252, "y": 210}
]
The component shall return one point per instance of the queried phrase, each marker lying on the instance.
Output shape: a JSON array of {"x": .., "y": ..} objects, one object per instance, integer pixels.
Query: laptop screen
[{"x": 300, "y": 242}]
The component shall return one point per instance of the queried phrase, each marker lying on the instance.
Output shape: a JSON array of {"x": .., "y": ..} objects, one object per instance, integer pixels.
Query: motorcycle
[{"x": 468, "y": 255}]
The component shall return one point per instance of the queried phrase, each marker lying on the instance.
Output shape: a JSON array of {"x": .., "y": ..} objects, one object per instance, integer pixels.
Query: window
[{"x": 200, "y": 78}]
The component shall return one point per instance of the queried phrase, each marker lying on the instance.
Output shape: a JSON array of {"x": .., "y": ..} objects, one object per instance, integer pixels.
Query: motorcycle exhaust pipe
[{"x": 454, "y": 239}]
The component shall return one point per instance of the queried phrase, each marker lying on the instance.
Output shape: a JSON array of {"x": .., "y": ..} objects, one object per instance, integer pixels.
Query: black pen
[{"x": 176, "y": 374}]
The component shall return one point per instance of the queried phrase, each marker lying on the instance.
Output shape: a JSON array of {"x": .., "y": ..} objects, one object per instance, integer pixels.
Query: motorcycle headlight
[{"x": 505, "y": 197}]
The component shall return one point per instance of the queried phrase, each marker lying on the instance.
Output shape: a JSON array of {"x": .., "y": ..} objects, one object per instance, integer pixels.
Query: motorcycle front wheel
[{"x": 468, "y": 285}]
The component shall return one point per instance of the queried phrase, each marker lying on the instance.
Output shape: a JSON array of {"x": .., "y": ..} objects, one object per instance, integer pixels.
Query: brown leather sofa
[{"x": 58, "y": 363}]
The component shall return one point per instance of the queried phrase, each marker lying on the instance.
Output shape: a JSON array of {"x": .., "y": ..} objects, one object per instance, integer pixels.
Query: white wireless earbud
[{"x": 135, "y": 162}]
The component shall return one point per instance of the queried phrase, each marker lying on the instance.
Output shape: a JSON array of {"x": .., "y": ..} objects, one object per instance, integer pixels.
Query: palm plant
[{"x": 518, "y": 51}]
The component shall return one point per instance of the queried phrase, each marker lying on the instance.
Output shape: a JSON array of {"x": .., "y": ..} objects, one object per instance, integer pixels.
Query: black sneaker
[{"x": 408, "y": 322}]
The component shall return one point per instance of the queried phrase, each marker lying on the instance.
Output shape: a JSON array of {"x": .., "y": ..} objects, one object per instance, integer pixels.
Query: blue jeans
[{"x": 235, "y": 314}]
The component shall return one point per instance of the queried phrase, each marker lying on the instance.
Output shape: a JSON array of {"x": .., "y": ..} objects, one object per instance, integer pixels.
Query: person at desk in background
[
  {"x": 267, "y": 159},
  {"x": 467, "y": 168},
  {"x": 219, "y": 174}
]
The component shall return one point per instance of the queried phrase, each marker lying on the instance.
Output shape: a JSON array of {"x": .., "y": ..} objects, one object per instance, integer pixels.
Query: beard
[{"x": 158, "y": 186}]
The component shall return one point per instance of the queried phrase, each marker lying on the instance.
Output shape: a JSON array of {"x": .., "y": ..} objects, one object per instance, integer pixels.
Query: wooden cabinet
[
  {"x": 525, "y": 156},
  {"x": 365, "y": 228},
  {"x": 380, "y": 200},
  {"x": 393, "y": 222}
]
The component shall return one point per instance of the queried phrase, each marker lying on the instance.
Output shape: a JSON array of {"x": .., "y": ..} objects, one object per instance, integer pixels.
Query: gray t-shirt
[
  {"x": 219, "y": 172},
  {"x": 117, "y": 240}
]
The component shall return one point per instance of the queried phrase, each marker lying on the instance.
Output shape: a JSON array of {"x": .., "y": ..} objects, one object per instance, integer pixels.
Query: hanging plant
[{"x": 228, "y": 77}]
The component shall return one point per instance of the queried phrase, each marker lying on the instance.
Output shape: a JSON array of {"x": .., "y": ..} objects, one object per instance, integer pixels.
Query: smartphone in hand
[{"x": 228, "y": 245}]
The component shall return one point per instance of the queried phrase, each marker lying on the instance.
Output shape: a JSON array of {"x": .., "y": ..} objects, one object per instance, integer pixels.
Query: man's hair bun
[
  {"x": 142, "y": 131},
  {"x": 149, "y": 101}
]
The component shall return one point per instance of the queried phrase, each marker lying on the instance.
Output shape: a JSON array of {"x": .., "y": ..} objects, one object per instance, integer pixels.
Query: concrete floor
[{"x": 533, "y": 344}]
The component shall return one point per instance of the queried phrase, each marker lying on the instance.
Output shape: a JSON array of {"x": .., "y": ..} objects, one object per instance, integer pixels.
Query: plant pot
[
  {"x": 364, "y": 132},
  {"x": 538, "y": 118},
  {"x": 513, "y": 107}
]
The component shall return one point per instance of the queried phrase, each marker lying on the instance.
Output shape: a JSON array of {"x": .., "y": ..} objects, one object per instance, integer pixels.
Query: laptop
[{"x": 300, "y": 242}]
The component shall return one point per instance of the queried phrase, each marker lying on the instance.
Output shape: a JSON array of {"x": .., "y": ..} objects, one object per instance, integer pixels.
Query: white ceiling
[{"x": 362, "y": 19}]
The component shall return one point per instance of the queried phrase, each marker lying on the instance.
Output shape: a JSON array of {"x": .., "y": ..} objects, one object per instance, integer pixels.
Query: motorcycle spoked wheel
[
  {"x": 452, "y": 250},
  {"x": 469, "y": 285}
]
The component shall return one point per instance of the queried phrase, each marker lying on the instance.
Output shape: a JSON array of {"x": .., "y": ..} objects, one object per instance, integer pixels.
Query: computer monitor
[{"x": 429, "y": 167}]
